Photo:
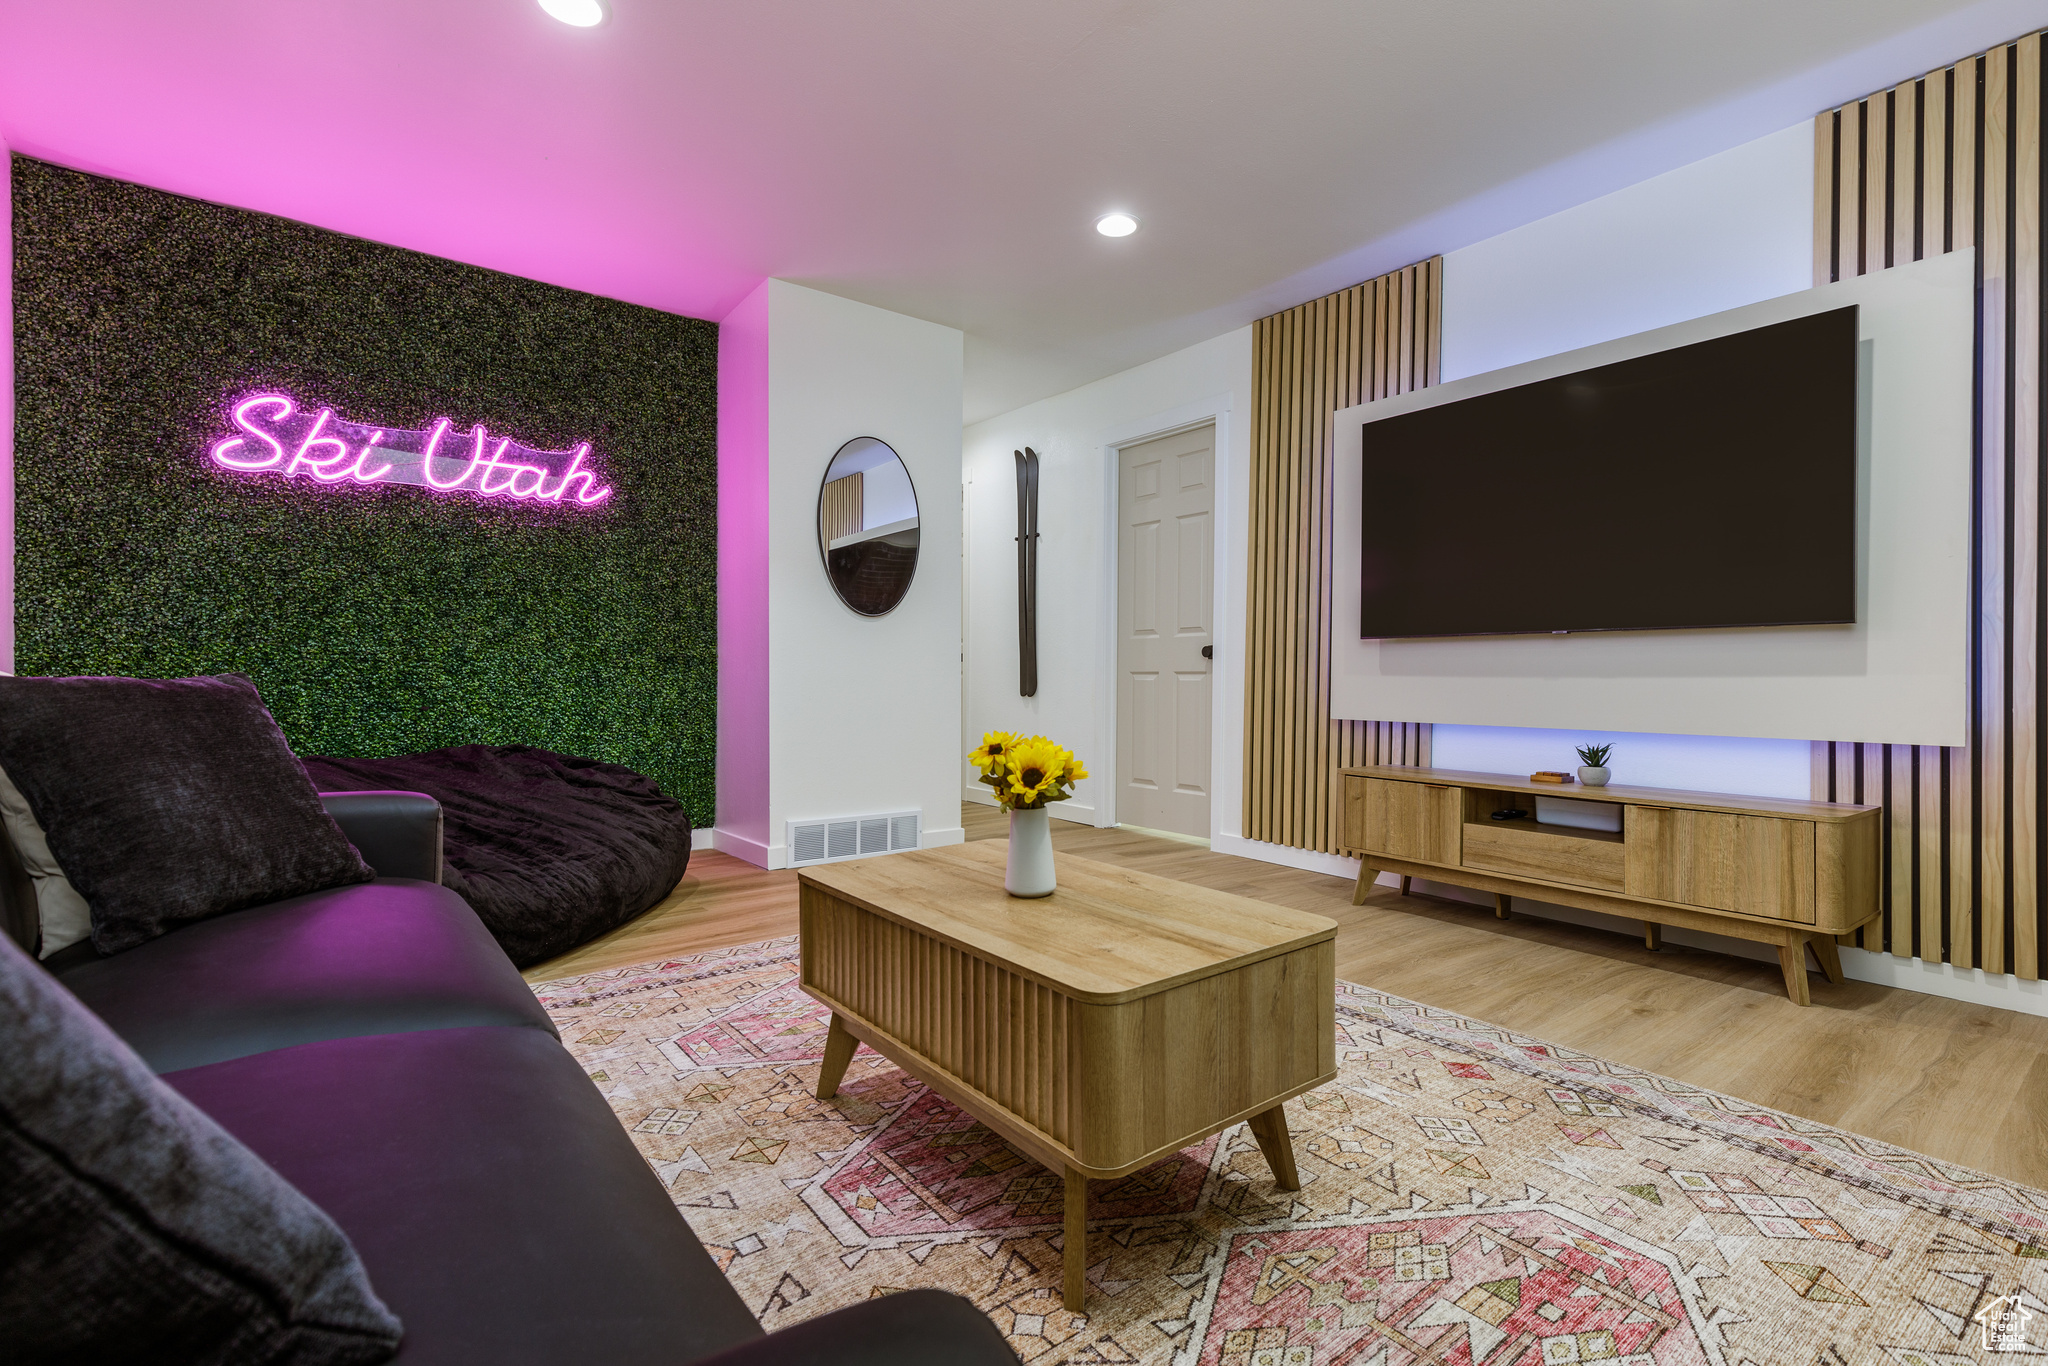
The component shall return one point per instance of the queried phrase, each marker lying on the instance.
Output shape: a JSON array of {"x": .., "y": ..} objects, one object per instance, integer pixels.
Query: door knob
[{"x": 1208, "y": 652}]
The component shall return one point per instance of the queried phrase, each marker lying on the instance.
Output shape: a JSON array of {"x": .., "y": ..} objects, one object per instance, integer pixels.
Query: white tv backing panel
[{"x": 1899, "y": 675}]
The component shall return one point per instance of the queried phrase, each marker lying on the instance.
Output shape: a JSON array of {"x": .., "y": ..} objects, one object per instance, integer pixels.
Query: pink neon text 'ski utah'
[{"x": 276, "y": 437}]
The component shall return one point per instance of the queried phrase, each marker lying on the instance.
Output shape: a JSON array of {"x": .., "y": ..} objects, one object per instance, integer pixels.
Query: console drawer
[{"x": 1539, "y": 851}]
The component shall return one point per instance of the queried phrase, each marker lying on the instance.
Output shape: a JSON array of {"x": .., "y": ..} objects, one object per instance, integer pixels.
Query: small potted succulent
[{"x": 1593, "y": 759}]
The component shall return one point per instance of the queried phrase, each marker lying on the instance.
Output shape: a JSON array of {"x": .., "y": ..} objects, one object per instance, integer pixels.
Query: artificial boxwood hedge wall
[{"x": 379, "y": 620}]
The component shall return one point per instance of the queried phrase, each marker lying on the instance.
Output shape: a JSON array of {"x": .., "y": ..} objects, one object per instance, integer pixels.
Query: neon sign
[{"x": 277, "y": 437}]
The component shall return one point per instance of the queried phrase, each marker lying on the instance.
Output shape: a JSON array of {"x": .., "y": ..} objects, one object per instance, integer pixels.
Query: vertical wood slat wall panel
[
  {"x": 1897, "y": 172},
  {"x": 1372, "y": 340},
  {"x": 1950, "y": 160},
  {"x": 2024, "y": 399},
  {"x": 1995, "y": 529}
]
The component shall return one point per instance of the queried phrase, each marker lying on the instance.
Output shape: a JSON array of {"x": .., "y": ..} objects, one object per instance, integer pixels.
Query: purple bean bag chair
[{"x": 550, "y": 850}]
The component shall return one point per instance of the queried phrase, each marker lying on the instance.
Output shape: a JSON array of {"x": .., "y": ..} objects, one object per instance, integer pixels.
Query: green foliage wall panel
[{"x": 379, "y": 620}]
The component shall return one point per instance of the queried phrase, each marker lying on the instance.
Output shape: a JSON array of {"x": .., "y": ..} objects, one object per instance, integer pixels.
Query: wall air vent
[{"x": 847, "y": 837}]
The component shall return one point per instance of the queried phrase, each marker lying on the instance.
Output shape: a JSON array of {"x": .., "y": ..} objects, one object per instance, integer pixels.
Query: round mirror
[{"x": 867, "y": 526}]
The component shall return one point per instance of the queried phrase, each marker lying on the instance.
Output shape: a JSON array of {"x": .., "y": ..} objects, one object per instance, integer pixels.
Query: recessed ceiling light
[
  {"x": 1116, "y": 225},
  {"x": 581, "y": 13}
]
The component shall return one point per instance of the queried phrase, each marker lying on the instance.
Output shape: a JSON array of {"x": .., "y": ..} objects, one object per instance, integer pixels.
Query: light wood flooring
[{"x": 1960, "y": 1082}]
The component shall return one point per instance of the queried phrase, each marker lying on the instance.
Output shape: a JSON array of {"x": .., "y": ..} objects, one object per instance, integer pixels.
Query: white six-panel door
[{"x": 1165, "y": 562}]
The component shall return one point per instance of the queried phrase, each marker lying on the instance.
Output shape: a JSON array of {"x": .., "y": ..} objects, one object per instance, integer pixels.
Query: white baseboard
[
  {"x": 1974, "y": 985},
  {"x": 700, "y": 839},
  {"x": 740, "y": 847},
  {"x": 939, "y": 839},
  {"x": 1336, "y": 865},
  {"x": 1971, "y": 985}
]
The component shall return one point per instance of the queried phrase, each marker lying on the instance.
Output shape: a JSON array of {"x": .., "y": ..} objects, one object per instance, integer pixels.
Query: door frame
[{"x": 1213, "y": 411}]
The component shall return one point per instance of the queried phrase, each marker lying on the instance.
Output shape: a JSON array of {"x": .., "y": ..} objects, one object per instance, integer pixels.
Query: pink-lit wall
[
  {"x": 6, "y": 411},
  {"x": 743, "y": 696}
]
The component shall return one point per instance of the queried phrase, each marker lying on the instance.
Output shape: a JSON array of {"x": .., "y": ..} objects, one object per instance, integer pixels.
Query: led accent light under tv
[{"x": 1712, "y": 485}]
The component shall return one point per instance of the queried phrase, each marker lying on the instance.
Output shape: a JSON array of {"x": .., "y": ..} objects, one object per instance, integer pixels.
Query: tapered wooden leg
[
  {"x": 1075, "y": 1256},
  {"x": 1503, "y": 906},
  {"x": 1830, "y": 960},
  {"x": 1270, "y": 1128},
  {"x": 1404, "y": 884},
  {"x": 839, "y": 1046},
  {"x": 1367, "y": 875},
  {"x": 1792, "y": 958},
  {"x": 1653, "y": 936}
]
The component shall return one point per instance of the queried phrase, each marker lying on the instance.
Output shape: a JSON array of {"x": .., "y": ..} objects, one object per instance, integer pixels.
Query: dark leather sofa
[{"x": 374, "y": 1045}]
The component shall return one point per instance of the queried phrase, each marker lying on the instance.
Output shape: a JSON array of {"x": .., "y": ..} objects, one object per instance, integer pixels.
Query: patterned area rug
[{"x": 1470, "y": 1197}]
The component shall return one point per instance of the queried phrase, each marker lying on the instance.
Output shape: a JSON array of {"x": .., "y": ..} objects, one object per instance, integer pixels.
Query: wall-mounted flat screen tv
[{"x": 1710, "y": 485}]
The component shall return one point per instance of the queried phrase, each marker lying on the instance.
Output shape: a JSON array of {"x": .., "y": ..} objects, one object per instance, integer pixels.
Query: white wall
[
  {"x": 887, "y": 495},
  {"x": 1715, "y": 235},
  {"x": 1076, "y": 435},
  {"x": 1897, "y": 675},
  {"x": 1730, "y": 230},
  {"x": 862, "y": 713}
]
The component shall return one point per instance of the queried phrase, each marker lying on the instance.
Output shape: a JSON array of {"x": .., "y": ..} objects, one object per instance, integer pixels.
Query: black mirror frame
[{"x": 824, "y": 556}]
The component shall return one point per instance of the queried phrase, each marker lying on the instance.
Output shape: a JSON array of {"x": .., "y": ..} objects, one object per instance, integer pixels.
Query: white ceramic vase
[
  {"x": 1030, "y": 871},
  {"x": 1593, "y": 777}
]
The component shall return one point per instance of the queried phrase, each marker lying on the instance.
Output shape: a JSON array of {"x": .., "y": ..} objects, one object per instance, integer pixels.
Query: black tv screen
[{"x": 1708, "y": 485}]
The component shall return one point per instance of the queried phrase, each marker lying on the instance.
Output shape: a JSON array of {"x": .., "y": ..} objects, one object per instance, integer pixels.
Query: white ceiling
[
  {"x": 1275, "y": 151},
  {"x": 947, "y": 160}
]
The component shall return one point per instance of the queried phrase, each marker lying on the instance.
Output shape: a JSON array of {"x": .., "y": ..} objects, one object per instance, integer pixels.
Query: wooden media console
[{"x": 1775, "y": 871}]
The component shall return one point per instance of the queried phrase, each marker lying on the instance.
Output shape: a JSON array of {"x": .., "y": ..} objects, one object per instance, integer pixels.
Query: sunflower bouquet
[{"x": 1027, "y": 772}]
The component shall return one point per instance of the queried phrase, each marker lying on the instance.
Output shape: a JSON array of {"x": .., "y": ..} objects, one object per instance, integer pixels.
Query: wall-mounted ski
[{"x": 1027, "y": 572}]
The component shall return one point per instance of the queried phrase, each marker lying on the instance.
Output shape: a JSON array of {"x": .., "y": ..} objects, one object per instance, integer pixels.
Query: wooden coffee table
[{"x": 1099, "y": 1029}]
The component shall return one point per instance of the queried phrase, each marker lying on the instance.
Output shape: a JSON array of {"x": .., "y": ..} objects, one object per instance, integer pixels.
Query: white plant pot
[
  {"x": 1593, "y": 777},
  {"x": 1030, "y": 871}
]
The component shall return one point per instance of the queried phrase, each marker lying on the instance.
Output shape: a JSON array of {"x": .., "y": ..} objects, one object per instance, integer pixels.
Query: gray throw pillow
[
  {"x": 134, "y": 1229},
  {"x": 62, "y": 917},
  {"x": 167, "y": 800}
]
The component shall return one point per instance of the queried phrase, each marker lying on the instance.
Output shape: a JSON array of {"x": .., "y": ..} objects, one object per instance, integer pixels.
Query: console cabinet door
[
  {"x": 1754, "y": 865},
  {"x": 1419, "y": 821},
  {"x": 1351, "y": 806}
]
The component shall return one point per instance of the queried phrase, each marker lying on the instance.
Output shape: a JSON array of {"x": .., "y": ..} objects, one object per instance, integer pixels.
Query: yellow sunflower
[
  {"x": 1076, "y": 771},
  {"x": 995, "y": 746},
  {"x": 1036, "y": 766}
]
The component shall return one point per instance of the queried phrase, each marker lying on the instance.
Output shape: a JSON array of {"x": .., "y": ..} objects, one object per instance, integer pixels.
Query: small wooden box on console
[{"x": 1789, "y": 873}]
